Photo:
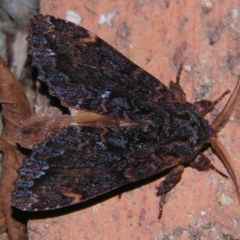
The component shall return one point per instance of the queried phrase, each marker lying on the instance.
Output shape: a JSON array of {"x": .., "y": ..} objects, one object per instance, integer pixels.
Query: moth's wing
[
  {"x": 82, "y": 162},
  {"x": 86, "y": 73}
]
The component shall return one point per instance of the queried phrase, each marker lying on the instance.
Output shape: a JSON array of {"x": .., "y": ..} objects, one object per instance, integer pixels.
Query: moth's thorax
[{"x": 179, "y": 129}]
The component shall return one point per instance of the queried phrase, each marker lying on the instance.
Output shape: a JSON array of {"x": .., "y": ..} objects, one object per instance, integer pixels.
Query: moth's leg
[
  {"x": 206, "y": 106},
  {"x": 178, "y": 77},
  {"x": 202, "y": 163},
  {"x": 167, "y": 184},
  {"x": 176, "y": 88},
  {"x": 178, "y": 92},
  {"x": 221, "y": 97}
]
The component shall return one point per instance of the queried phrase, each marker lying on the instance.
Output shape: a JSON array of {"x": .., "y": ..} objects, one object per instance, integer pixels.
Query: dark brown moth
[{"x": 124, "y": 125}]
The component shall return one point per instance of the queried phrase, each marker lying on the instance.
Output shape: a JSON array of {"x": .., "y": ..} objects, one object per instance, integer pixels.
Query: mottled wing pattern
[
  {"x": 81, "y": 162},
  {"x": 86, "y": 73}
]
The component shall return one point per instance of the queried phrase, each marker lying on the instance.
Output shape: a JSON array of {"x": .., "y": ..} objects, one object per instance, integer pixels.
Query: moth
[{"x": 124, "y": 124}]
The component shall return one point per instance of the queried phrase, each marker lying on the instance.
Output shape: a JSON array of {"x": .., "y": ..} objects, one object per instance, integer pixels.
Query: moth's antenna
[
  {"x": 223, "y": 154},
  {"x": 218, "y": 122},
  {"x": 224, "y": 115}
]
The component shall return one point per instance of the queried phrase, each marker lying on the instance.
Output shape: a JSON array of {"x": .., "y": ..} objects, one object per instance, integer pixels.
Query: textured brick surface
[{"x": 153, "y": 34}]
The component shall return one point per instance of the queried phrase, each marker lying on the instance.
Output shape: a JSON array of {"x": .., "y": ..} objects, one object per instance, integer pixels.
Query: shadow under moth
[{"x": 124, "y": 125}]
